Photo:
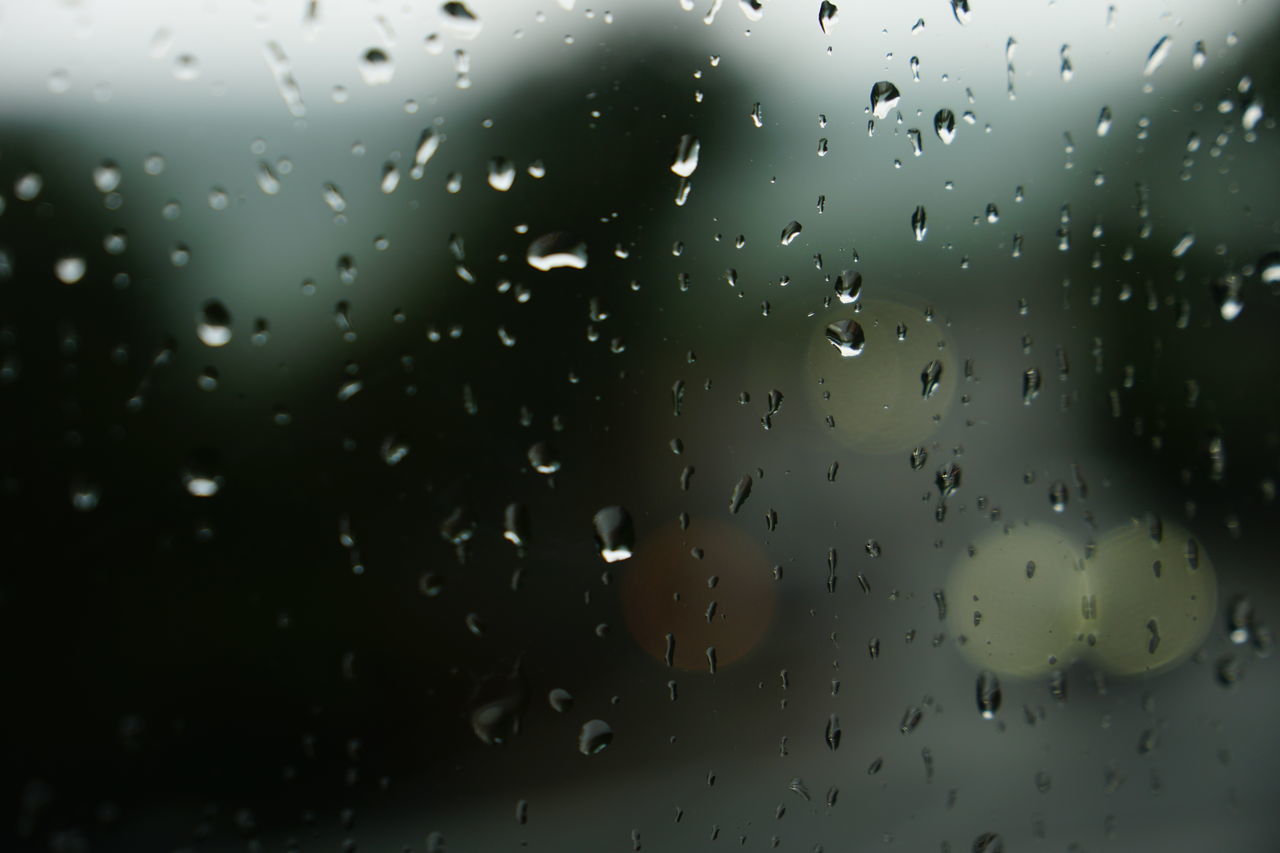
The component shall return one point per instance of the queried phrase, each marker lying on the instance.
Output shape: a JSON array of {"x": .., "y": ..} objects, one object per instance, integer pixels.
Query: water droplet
[
  {"x": 848, "y": 286},
  {"x": 557, "y": 249},
  {"x": 543, "y": 457},
  {"x": 615, "y": 533},
  {"x": 376, "y": 67},
  {"x": 944, "y": 124},
  {"x": 1031, "y": 380},
  {"x": 960, "y": 8},
  {"x": 333, "y": 197},
  {"x": 919, "y": 222},
  {"x": 200, "y": 476},
  {"x": 502, "y": 174},
  {"x": 428, "y": 145},
  {"x": 497, "y": 707},
  {"x": 1104, "y": 121},
  {"x": 390, "y": 178},
  {"x": 884, "y": 97},
  {"x": 595, "y": 737},
  {"x": 1159, "y": 53},
  {"x": 988, "y": 692},
  {"x": 798, "y": 786},
  {"x": 213, "y": 324},
  {"x": 106, "y": 176},
  {"x": 827, "y": 16},
  {"x": 267, "y": 180},
  {"x": 560, "y": 699},
  {"x": 1058, "y": 496},
  {"x": 515, "y": 524},
  {"x": 685, "y": 160},
  {"x": 988, "y": 842},
  {"x": 69, "y": 269},
  {"x": 910, "y": 719},
  {"x": 741, "y": 491},
  {"x": 460, "y": 20},
  {"x": 790, "y": 233},
  {"x": 1184, "y": 244},
  {"x": 1198, "y": 56},
  {"x": 27, "y": 186},
  {"x": 930, "y": 380},
  {"x": 1226, "y": 294},
  {"x": 847, "y": 337},
  {"x": 832, "y": 733}
]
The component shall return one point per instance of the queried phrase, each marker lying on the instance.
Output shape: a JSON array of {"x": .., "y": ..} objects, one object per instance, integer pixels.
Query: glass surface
[{"x": 670, "y": 426}]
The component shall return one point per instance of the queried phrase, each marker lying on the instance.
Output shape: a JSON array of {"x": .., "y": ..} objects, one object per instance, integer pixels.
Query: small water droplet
[
  {"x": 919, "y": 223},
  {"x": 790, "y": 233},
  {"x": 544, "y": 458},
  {"x": 989, "y": 695}
]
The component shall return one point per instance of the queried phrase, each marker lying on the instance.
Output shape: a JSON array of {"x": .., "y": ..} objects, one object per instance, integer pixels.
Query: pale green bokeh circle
[
  {"x": 1028, "y": 625},
  {"x": 1180, "y": 601},
  {"x": 877, "y": 397}
]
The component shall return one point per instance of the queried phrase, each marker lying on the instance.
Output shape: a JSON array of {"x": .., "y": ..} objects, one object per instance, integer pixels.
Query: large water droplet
[
  {"x": 544, "y": 458},
  {"x": 106, "y": 176},
  {"x": 827, "y": 16},
  {"x": 557, "y": 249},
  {"x": 791, "y": 232},
  {"x": 376, "y": 67},
  {"x": 848, "y": 286},
  {"x": 960, "y": 8},
  {"x": 884, "y": 97},
  {"x": 944, "y": 124},
  {"x": 502, "y": 174},
  {"x": 595, "y": 737},
  {"x": 213, "y": 324},
  {"x": 460, "y": 20},
  {"x": 614, "y": 533},
  {"x": 847, "y": 337},
  {"x": 685, "y": 160},
  {"x": 69, "y": 269},
  {"x": 919, "y": 222},
  {"x": 1226, "y": 295},
  {"x": 1159, "y": 53}
]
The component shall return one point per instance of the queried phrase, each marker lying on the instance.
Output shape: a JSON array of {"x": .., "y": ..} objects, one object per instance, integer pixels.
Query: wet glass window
[{"x": 681, "y": 425}]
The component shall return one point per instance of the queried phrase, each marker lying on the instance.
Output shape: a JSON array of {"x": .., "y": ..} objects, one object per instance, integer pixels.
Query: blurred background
[{"x": 759, "y": 424}]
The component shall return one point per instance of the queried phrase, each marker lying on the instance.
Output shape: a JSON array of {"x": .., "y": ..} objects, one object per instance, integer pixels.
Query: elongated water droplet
[
  {"x": 1058, "y": 496},
  {"x": 832, "y": 733},
  {"x": 685, "y": 160},
  {"x": 1159, "y": 53},
  {"x": 827, "y": 16},
  {"x": 884, "y": 97},
  {"x": 910, "y": 719},
  {"x": 920, "y": 222},
  {"x": 960, "y": 8},
  {"x": 1104, "y": 121},
  {"x": 557, "y": 249},
  {"x": 334, "y": 198},
  {"x": 1198, "y": 56},
  {"x": 988, "y": 694},
  {"x": 515, "y": 524},
  {"x": 988, "y": 842},
  {"x": 615, "y": 533},
  {"x": 930, "y": 380},
  {"x": 741, "y": 491},
  {"x": 1226, "y": 294},
  {"x": 847, "y": 337},
  {"x": 791, "y": 232},
  {"x": 1184, "y": 244},
  {"x": 944, "y": 124},
  {"x": 1031, "y": 381}
]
